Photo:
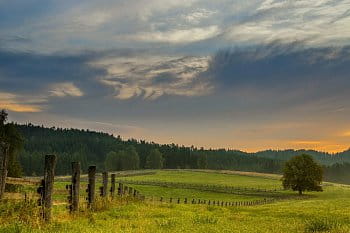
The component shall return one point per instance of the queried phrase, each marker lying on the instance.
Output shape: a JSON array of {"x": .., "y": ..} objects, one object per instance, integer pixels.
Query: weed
[
  {"x": 322, "y": 225},
  {"x": 205, "y": 219}
]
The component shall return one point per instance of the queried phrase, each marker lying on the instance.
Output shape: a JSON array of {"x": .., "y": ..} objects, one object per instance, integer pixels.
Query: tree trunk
[
  {"x": 4, "y": 157},
  {"x": 300, "y": 192}
]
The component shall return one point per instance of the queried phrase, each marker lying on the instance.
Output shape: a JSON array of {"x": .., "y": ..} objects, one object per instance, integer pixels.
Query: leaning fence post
[
  {"x": 91, "y": 186},
  {"x": 75, "y": 186},
  {"x": 49, "y": 175},
  {"x": 3, "y": 167},
  {"x": 112, "y": 186}
]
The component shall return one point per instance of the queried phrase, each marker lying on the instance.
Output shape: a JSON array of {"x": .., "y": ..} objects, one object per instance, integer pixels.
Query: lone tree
[{"x": 301, "y": 173}]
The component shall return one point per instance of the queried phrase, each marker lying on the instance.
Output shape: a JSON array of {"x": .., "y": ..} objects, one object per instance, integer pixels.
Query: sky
[{"x": 248, "y": 75}]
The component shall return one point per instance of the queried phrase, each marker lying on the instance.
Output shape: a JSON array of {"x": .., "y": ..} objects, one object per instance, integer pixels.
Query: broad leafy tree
[
  {"x": 302, "y": 173},
  {"x": 132, "y": 159},
  {"x": 154, "y": 160},
  {"x": 112, "y": 162}
]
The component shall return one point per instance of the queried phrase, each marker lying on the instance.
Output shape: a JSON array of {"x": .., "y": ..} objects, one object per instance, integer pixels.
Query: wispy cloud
[
  {"x": 65, "y": 89},
  {"x": 153, "y": 77},
  {"x": 315, "y": 22},
  {"x": 178, "y": 36}
]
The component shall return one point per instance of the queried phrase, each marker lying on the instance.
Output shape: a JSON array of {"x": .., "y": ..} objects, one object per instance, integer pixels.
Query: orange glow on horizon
[{"x": 20, "y": 107}]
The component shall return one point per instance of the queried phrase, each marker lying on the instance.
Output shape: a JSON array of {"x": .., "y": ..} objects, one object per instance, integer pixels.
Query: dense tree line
[
  {"x": 111, "y": 152},
  {"x": 338, "y": 173},
  {"x": 323, "y": 158}
]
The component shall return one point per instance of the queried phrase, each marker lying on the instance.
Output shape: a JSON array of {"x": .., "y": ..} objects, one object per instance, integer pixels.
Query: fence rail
[{"x": 22, "y": 181}]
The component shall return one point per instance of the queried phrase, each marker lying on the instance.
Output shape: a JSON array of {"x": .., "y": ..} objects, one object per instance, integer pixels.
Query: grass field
[{"x": 327, "y": 211}]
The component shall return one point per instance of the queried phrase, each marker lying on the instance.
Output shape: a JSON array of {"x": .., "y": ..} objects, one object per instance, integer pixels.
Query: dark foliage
[
  {"x": 94, "y": 148},
  {"x": 301, "y": 173}
]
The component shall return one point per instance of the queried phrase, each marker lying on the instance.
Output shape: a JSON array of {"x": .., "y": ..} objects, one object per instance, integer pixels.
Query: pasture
[{"x": 327, "y": 211}]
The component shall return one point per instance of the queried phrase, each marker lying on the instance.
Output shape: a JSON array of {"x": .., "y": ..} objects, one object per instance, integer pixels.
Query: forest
[{"x": 110, "y": 152}]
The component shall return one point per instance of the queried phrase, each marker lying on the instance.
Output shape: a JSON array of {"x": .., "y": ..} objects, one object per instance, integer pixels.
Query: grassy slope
[
  {"x": 210, "y": 178},
  {"x": 327, "y": 210}
]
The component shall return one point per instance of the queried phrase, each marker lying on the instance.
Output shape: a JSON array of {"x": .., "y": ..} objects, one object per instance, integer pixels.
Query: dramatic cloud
[
  {"x": 152, "y": 77},
  {"x": 316, "y": 22},
  {"x": 67, "y": 25},
  {"x": 289, "y": 71},
  {"x": 179, "y": 36},
  {"x": 244, "y": 74}
]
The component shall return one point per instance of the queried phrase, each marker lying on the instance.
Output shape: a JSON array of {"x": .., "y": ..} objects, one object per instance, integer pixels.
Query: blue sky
[{"x": 247, "y": 75}]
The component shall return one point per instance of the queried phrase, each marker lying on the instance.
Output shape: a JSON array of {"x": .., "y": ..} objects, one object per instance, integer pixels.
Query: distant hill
[
  {"x": 91, "y": 147},
  {"x": 322, "y": 157}
]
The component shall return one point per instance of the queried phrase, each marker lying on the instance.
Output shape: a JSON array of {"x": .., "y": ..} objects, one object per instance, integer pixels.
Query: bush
[{"x": 322, "y": 225}]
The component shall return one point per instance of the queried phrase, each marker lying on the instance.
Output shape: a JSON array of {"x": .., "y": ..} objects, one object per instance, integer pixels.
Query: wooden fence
[
  {"x": 212, "y": 202},
  {"x": 45, "y": 188}
]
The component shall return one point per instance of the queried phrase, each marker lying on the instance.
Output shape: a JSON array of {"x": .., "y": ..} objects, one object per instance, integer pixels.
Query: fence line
[
  {"x": 46, "y": 188},
  {"x": 213, "y": 202},
  {"x": 202, "y": 187}
]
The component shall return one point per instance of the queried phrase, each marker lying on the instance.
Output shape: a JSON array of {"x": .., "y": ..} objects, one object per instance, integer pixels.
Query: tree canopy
[
  {"x": 11, "y": 138},
  {"x": 92, "y": 148},
  {"x": 154, "y": 160},
  {"x": 302, "y": 173}
]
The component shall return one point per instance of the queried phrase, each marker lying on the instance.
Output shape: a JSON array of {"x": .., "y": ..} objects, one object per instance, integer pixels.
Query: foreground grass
[{"x": 328, "y": 211}]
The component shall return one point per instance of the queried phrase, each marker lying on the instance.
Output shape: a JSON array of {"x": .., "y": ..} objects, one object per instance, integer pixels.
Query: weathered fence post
[
  {"x": 75, "y": 186},
  {"x": 91, "y": 186},
  {"x": 112, "y": 186},
  {"x": 104, "y": 184},
  {"x": 120, "y": 189},
  {"x": 3, "y": 167},
  {"x": 49, "y": 175},
  {"x": 130, "y": 191}
]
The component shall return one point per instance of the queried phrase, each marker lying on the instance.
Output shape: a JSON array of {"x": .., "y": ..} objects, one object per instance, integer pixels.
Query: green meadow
[{"x": 327, "y": 211}]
